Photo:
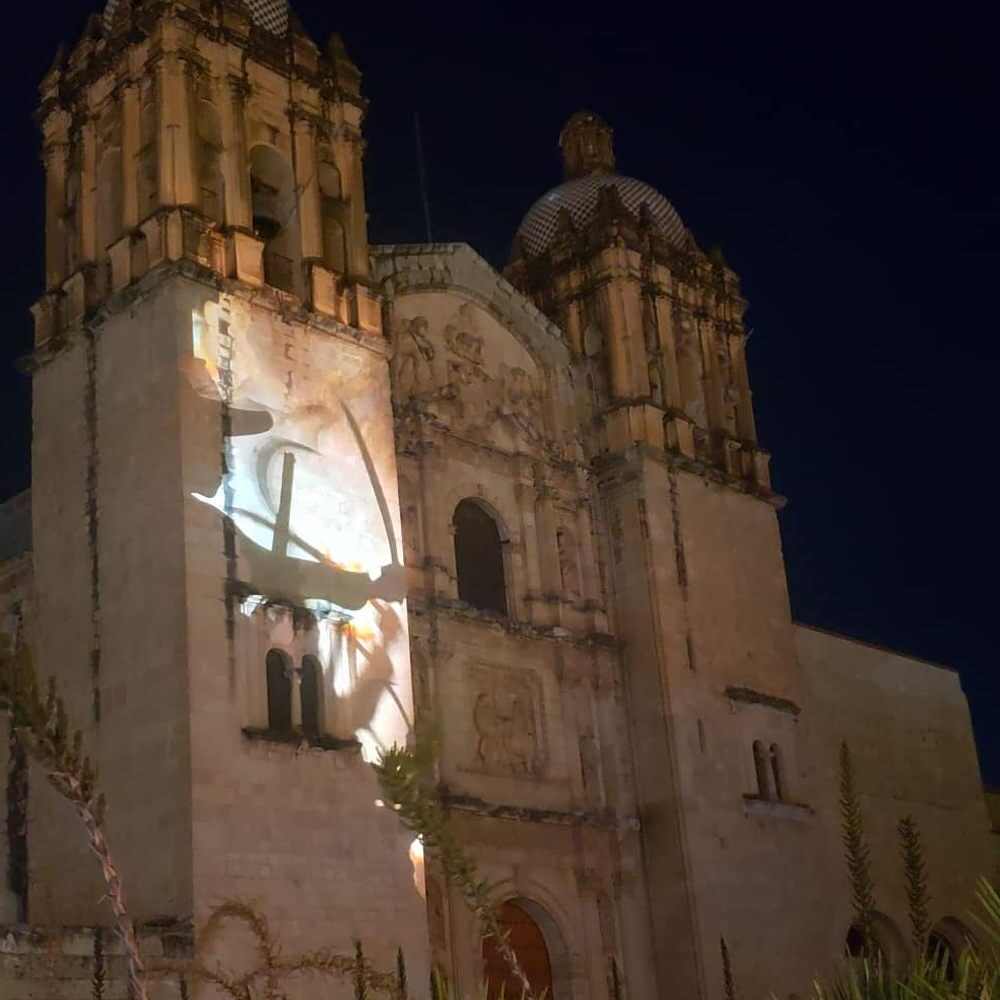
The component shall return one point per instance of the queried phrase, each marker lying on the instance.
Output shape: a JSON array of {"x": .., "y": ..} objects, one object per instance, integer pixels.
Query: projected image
[{"x": 308, "y": 487}]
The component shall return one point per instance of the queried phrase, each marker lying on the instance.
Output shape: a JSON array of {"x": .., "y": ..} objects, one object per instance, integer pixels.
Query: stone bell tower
[
  {"x": 216, "y": 526},
  {"x": 696, "y": 575}
]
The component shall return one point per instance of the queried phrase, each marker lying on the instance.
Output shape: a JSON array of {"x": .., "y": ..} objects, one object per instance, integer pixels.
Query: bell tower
[
  {"x": 696, "y": 576},
  {"x": 216, "y": 525}
]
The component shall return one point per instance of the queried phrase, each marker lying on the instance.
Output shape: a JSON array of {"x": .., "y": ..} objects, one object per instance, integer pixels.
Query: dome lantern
[
  {"x": 589, "y": 168},
  {"x": 587, "y": 143}
]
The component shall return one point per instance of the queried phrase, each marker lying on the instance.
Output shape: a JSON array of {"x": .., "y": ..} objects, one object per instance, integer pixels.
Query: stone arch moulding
[
  {"x": 505, "y": 514},
  {"x": 889, "y": 939},
  {"x": 469, "y": 276}
]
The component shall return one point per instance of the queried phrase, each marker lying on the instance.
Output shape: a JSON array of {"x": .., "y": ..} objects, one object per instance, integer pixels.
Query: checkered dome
[
  {"x": 271, "y": 15},
  {"x": 579, "y": 198}
]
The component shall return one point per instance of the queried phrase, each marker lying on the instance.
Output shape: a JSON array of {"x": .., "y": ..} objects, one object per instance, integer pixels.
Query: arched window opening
[
  {"x": 941, "y": 952},
  {"x": 689, "y": 374},
  {"x": 333, "y": 209},
  {"x": 885, "y": 946},
  {"x": 778, "y": 772},
  {"x": 310, "y": 692},
  {"x": 527, "y": 941},
  {"x": 479, "y": 559},
  {"x": 211, "y": 183},
  {"x": 761, "y": 768},
  {"x": 945, "y": 944},
  {"x": 275, "y": 216},
  {"x": 854, "y": 945},
  {"x": 279, "y": 693}
]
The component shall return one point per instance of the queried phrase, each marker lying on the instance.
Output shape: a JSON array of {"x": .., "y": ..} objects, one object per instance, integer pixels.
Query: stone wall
[
  {"x": 908, "y": 728},
  {"x": 47, "y": 964}
]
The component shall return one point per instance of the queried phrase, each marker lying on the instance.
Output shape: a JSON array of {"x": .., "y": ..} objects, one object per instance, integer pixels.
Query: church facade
[{"x": 294, "y": 495}]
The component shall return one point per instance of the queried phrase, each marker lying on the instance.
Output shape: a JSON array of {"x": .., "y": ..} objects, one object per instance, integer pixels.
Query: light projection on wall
[{"x": 309, "y": 489}]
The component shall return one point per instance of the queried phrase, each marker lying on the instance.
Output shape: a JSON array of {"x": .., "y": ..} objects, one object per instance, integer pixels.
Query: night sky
[{"x": 845, "y": 159}]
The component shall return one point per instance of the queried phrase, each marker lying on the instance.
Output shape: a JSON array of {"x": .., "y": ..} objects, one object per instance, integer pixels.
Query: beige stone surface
[{"x": 251, "y": 435}]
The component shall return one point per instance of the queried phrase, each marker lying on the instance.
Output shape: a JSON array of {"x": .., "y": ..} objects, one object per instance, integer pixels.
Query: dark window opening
[
  {"x": 855, "y": 943},
  {"x": 479, "y": 559},
  {"x": 309, "y": 691},
  {"x": 941, "y": 951},
  {"x": 275, "y": 216},
  {"x": 279, "y": 693}
]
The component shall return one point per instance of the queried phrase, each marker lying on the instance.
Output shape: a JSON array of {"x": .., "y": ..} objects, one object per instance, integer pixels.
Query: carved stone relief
[
  {"x": 506, "y": 721},
  {"x": 412, "y": 357},
  {"x": 446, "y": 372}
]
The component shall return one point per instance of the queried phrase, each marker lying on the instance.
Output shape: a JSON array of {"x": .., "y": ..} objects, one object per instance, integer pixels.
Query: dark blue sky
[{"x": 845, "y": 158}]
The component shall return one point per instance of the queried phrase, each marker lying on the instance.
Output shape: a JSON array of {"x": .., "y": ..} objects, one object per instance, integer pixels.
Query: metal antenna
[{"x": 423, "y": 177}]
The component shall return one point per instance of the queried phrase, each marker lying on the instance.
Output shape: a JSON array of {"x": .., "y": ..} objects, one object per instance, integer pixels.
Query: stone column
[
  {"x": 55, "y": 208},
  {"x": 624, "y": 339},
  {"x": 130, "y": 154},
  {"x": 711, "y": 375},
  {"x": 235, "y": 155},
  {"x": 526, "y": 569},
  {"x": 87, "y": 203},
  {"x": 307, "y": 182},
  {"x": 745, "y": 425},
  {"x": 357, "y": 220},
  {"x": 176, "y": 180}
]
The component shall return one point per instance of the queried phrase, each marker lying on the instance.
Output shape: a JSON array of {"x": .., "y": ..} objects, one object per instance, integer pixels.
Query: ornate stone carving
[
  {"x": 505, "y": 718},
  {"x": 451, "y": 373},
  {"x": 569, "y": 568}
]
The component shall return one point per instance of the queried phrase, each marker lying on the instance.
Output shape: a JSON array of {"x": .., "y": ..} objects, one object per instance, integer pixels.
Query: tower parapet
[{"x": 217, "y": 134}]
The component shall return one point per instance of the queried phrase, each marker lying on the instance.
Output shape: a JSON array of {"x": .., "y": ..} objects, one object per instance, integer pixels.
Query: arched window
[
  {"x": 279, "y": 693},
  {"x": 310, "y": 691},
  {"x": 211, "y": 184},
  {"x": 778, "y": 772},
  {"x": 332, "y": 207},
  {"x": 942, "y": 953},
  {"x": 275, "y": 216},
  {"x": 762, "y": 770},
  {"x": 886, "y": 946},
  {"x": 479, "y": 558},
  {"x": 689, "y": 375},
  {"x": 527, "y": 941},
  {"x": 945, "y": 944},
  {"x": 854, "y": 943}
]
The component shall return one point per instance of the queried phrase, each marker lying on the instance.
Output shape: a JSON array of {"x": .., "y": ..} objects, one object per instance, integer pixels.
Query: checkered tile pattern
[
  {"x": 272, "y": 15},
  {"x": 579, "y": 198}
]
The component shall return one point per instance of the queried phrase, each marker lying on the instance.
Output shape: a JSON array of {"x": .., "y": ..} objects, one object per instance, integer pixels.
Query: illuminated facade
[{"x": 292, "y": 493}]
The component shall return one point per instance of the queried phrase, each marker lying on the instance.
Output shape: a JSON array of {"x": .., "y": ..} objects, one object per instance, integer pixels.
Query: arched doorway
[{"x": 528, "y": 942}]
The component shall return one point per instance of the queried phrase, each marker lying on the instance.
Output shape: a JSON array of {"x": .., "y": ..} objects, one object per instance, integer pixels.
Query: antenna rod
[{"x": 423, "y": 177}]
